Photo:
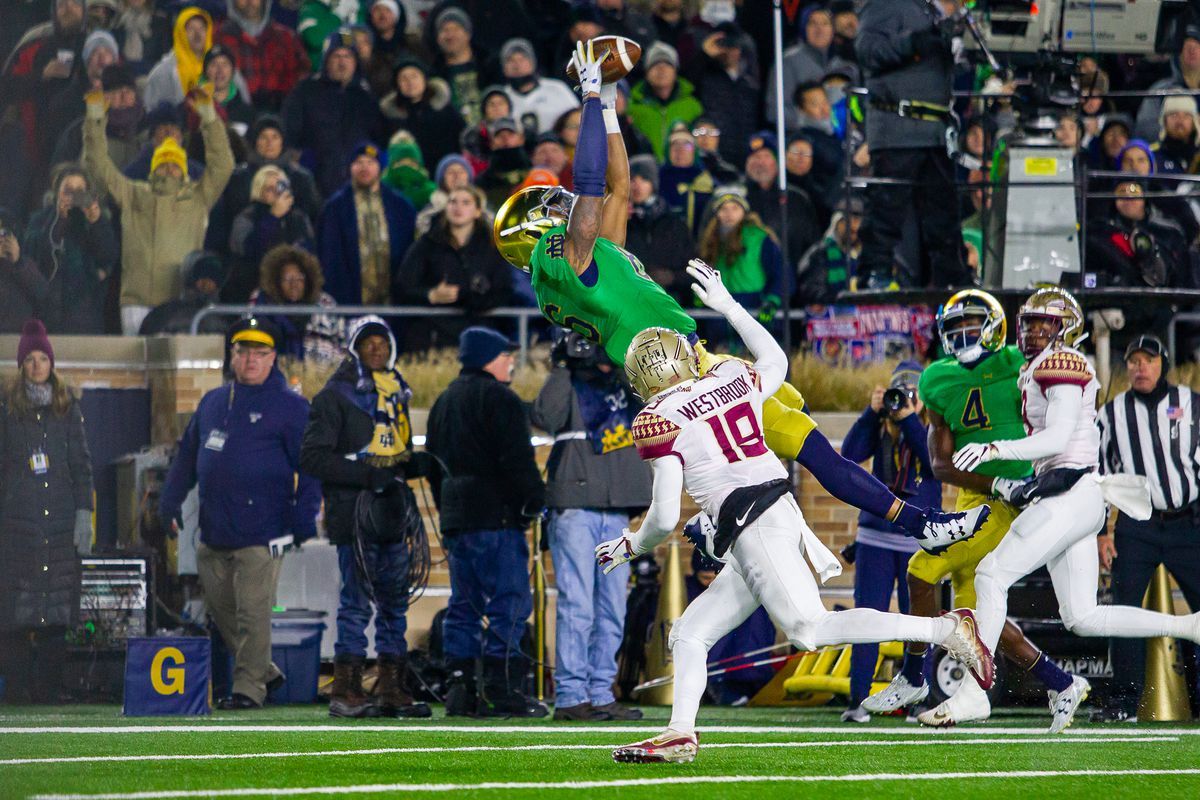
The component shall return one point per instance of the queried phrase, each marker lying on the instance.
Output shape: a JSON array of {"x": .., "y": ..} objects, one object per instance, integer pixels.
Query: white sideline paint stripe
[
  {"x": 380, "y": 788},
  {"x": 375, "y": 751},
  {"x": 980, "y": 730}
]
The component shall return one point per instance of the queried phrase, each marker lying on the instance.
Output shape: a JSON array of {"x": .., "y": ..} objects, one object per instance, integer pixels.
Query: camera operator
[
  {"x": 892, "y": 432},
  {"x": 74, "y": 244},
  {"x": 596, "y": 483},
  {"x": 1137, "y": 245},
  {"x": 904, "y": 46},
  {"x": 22, "y": 286}
]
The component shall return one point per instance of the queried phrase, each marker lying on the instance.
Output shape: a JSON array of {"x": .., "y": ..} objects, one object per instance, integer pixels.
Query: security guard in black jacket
[{"x": 489, "y": 491}]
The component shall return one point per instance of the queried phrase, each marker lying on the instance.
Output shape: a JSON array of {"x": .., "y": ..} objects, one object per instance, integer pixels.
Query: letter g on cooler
[{"x": 167, "y": 672}]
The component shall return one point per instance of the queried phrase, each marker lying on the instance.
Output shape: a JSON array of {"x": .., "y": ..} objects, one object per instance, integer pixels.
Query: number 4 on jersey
[{"x": 973, "y": 414}]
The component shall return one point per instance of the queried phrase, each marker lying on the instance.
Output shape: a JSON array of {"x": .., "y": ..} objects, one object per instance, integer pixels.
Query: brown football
[{"x": 620, "y": 56}]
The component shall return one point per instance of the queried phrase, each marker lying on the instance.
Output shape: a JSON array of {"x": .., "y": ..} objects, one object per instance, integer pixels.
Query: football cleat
[
  {"x": 943, "y": 529},
  {"x": 1064, "y": 704},
  {"x": 968, "y": 704},
  {"x": 669, "y": 747},
  {"x": 965, "y": 645},
  {"x": 897, "y": 694},
  {"x": 856, "y": 714}
]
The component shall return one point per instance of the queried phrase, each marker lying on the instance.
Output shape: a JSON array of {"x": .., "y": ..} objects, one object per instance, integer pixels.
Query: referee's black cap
[{"x": 1149, "y": 344}]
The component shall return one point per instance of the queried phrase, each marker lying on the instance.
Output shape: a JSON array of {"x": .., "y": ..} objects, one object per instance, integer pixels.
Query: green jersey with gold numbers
[
  {"x": 624, "y": 302},
  {"x": 980, "y": 404}
]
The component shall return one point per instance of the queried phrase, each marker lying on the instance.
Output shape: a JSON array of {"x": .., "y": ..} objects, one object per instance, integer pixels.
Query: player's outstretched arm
[
  {"x": 590, "y": 165},
  {"x": 660, "y": 519},
  {"x": 769, "y": 359},
  {"x": 1062, "y": 416},
  {"x": 615, "y": 218}
]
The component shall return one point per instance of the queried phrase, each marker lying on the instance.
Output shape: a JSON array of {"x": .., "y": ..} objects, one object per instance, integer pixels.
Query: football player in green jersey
[{"x": 971, "y": 396}]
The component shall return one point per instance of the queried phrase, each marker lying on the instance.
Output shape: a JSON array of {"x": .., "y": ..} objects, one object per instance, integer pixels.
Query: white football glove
[
  {"x": 710, "y": 289},
  {"x": 1011, "y": 491},
  {"x": 970, "y": 456},
  {"x": 590, "y": 77},
  {"x": 615, "y": 552}
]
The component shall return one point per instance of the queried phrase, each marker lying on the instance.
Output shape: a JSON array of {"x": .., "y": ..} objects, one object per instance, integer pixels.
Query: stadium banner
[
  {"x": 168, "y": 676},
  {"x": 843, "y": 335}
]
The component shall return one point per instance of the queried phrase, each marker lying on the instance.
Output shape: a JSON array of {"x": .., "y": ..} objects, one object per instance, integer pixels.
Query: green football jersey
[
  {"x": 981, "y": 404},
  {"x": 624, "y": 302}
]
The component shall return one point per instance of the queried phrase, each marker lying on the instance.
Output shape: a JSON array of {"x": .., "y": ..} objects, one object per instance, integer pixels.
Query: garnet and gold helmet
[
  {"x": 1054, "y": 303},
  {"x": 657, "y": 359},
  {"x": 525, "y": 217},
  {"x": 971, "y": 323}
]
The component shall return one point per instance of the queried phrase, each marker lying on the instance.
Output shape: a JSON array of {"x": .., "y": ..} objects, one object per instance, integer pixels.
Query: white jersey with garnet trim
[
  {"x": 1061, "y": 367},
  {"x": 714, "y": 427}
]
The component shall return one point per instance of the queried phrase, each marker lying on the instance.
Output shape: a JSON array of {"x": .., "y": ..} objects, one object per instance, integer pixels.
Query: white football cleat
[
  {"x": 969, "y": 704},
  {"x": 1064, "y": 704},
  {"x": 943, "y": 529},
  {"x": 669, "y": 747},
  {"x": 856, "y": 714},
  {"x": 897, "y": 694},
  {"x": 965, "y": 646}
]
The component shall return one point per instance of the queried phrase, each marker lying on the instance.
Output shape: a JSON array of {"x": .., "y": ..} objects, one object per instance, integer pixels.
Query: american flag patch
[{"x": 1174, "y": 413}]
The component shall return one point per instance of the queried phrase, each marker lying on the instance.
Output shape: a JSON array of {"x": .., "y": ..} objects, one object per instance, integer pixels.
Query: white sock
[{"x": 691, "y": 677}]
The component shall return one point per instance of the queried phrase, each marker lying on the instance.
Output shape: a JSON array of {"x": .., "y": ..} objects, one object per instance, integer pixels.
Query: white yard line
[
  {"x": 568, "y": 729},
  {"x": 531, "y": 786},
  {"x": 375, "y": 751}
]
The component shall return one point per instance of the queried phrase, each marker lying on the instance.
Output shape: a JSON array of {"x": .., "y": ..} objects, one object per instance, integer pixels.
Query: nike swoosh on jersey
[{"x": 740, "y": 521}]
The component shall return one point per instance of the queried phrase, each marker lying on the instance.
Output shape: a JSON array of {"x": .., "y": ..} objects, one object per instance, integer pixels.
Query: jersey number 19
[{"x": 737, "y": 433}]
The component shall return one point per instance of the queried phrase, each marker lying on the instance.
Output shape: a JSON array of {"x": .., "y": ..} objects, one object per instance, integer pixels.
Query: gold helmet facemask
[
  {"x": 525, "y": 217},
  {"x": 1056, "y": 304},
  {"x": 658, "y": 359},
  {"x": 971, "y": 323}
]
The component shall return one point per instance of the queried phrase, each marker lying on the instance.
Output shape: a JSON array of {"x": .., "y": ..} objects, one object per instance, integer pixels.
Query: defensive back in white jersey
[
  {"x": 714, "y": 427},
  {"x": 1058, "y": 367}
]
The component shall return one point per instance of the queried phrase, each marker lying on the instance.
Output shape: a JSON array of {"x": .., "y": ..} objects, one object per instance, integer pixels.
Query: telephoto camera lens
[{"x": 894, "y": 399}]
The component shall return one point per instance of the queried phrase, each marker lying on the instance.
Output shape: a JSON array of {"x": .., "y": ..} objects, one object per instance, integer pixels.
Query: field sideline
[{"x": 92, "y": 752}]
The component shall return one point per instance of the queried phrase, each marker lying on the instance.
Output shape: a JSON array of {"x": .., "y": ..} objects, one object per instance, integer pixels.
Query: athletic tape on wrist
[{"x": 611, "y": 123}]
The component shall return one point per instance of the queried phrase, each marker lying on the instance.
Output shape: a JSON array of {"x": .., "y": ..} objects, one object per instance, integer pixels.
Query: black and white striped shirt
[{"x": 1156, "y": 439}]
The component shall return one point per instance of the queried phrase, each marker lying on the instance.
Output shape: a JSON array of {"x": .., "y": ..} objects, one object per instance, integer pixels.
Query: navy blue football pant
[
  {"x": 877, "y": 572},
  {"x": 489, "y": 576},
  {"x": 387, "y": 565}
]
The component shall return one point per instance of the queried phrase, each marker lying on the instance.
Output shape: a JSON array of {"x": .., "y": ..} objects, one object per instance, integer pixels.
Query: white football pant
[
  {"x": 766, "y": 567},
  {"x": 1060, "y": 532}
]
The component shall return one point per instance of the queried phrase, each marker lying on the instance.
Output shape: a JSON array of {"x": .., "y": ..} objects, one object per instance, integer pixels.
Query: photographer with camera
[
  {"x": 74, "y": 244},
  {"x": 893, "y": 433},
  {"x": 596, "y": 483}
]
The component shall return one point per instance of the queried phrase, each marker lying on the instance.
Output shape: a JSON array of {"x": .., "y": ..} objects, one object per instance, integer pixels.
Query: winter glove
[
  {"x": 970, "y": 456},
  {"x": 615, "y": 552},
  {"x": 83, "y": 532},
  {"x": 710, "y": 289},
  {"x": 589, "y": 66},
  {"x": 766, "y": 312}
]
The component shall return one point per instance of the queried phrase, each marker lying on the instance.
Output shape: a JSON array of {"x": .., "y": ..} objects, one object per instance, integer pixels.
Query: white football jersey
[
  {"x": 714, "y": 427},
  {"x": 1054, "y": 367}
]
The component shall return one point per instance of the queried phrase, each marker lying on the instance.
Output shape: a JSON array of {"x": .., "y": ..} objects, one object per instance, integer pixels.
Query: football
[{"x": 620, "y": 56}]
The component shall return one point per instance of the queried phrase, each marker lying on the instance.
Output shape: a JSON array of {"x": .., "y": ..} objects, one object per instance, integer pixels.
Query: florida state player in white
[
  {"x": 706, "y": 434},
  {"x": 1058, "y": 395}
]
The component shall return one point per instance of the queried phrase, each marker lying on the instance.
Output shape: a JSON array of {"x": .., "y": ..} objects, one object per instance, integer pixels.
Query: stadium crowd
[{"x": 163, "y": 153}]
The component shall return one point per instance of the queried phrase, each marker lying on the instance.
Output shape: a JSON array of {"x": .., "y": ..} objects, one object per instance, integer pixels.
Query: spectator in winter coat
[
  {"x": 74, "y": 244},
  {"x": 233, "y": 104},
  {"x": 452, "y": 172},
  {"x": 1137, "y": 245},
  {"x": 683, "y": 182},
  {"x": 495, "y": 22},
  {"x": 537, "y": 102},
  {"x": 180, "y": 70},
  {"x": 319, "y": 19},
  {"x": 729, "y": 91},
  {"x": 270, "y": 219},
  {"x": 816, "y": 125},
  {"x": 406, "y": 171},
  {"x": 126, "y": 137},
  {"x": 66, "y": 104},
  {"x": 390, "y": 46},
  {"x": 708, "y": 150},
  {"x": 45, "y": 520},
  {"x": 662, "y": 98},
  {"x": 22, "y": 285},
  {"x": 798, "y": 161},
  {"x": 508, "y": 163},
  {"x": 160, "y": 124},
  {"x": 203, "y": 276},
  {"x": 363, "y": 232},
  {"x": 802, "y": 62},
  {"x": 269, "y": 55},
  {"x": 421, "y": 105},
  {"x": 831, "y": 265},
  {"x": 291, "y": 276},
  {"x": 143, "y": 32},
  {"x": 1138, "y": 157},
  {"x": 455, "y": 265},
  {"x": 242, "y": 446},
  {"x": 164, "y": 219},
  {"x": 327, "y": 114},
  {"x": 1176, "y": 148},
  {"x": 549, "y": 153},
  {"x": 762, "y": 192},
  {"x": 1185, "y": 77},
  {"x": 660, "y": 239},
  {"x": 359, "y": 444},
  {"x": 459, "y": 64}
]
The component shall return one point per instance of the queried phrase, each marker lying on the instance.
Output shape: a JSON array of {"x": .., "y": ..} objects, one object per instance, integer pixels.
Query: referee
[{"x": 1152, "y": 430}]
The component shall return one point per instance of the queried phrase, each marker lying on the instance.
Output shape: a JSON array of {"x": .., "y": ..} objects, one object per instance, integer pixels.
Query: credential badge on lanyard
[
  {"x": 39, "y": 462},
  {"x": 216, "y": 440}
]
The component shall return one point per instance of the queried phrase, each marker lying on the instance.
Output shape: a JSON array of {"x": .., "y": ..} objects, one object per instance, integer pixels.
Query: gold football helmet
[
  {"x": 525, "y": 217},
  {"x": 1053, "y": 303},
  {"x": 658, "y": 359},
  {"x": 971, "y": 323}
]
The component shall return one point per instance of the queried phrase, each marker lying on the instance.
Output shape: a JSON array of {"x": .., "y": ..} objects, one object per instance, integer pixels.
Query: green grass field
[{"x": 92, "y": 752}]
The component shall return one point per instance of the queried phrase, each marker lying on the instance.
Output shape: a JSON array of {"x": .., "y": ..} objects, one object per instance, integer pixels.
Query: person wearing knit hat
[
  {"x": 1178, "y": 130},
  {"x": 660, "y": 53},
  {"x": 543, "y": 100},
  {"x": 1136, "y": 156},
  {"x": 100, "y": 50},
  {"x": 452, "y": 15},
  {"x": 660, "y": 237},
  {"x": 172, "y": 160},
  {"x": 662, "y": 98},
  {"x": 406, "y": 171},
  {"x": 440, "y": 172},
  {"x": 45, "y": 520}
]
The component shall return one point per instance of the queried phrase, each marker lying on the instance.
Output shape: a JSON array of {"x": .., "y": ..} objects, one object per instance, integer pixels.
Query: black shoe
[
  {"x": 276, "y": 682},
  {"x": 580, "y": 712},
  {"x": 617, "y": 711},
  {"x": 503, "y": 691},
  {"x": 461, "y": 693},
  {"x": 237, "y": 702}
]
